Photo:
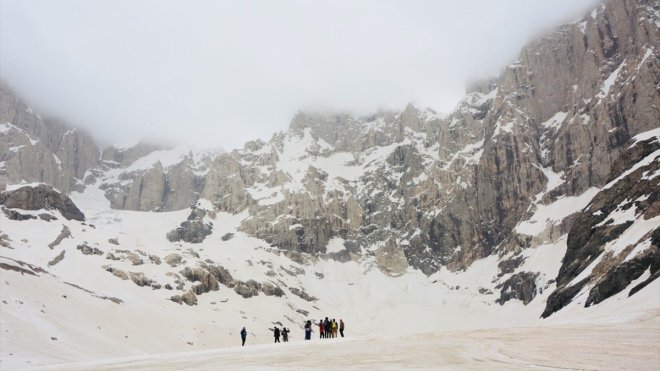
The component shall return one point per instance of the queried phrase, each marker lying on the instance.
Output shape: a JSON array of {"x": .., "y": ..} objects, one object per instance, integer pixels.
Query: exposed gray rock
[
  {"x": 301, "y": 294},
  {"x": 520, "y": 286},
  {"x": 15, "y": 215},
  {"x": 207, "y": 282},
  {"x": 121, "y": 274},
  {"x": 41, "y": 197},
  {"x": 57, "y": 259},
  {"x": 41, "y": 151},
  {"x": 391, "y": 259},
  {"x": 509, "y": 265},
  {"x": 485, "y": 291},
  {"x": 561, "y": 297},
  {"x": 247, "y": 289},
  {"x": 294, "y": 271},
  {"x": 271, "y": 290},
  {"x": 189, "y": 298},
  {"x": 592, "y": 229},
  {"x": 140, "y": 279},
  {"x": 134, "y": 258},
  {"x": 173, "y": 259},
  {"x": 154, "y": 259},
  {"x": 193, "y": 230},
  {"x": 88, "y": 250},
  {"x": 619, "y": 277},
  {"x": 65, "y": 233},
  {"x": 47, "y": 217},
  {"x": 111, "y": 256},
  {"x": 4, "y": 240},
  {"x": 221, "y": 274},
  {"x": 155, "y": 189}
]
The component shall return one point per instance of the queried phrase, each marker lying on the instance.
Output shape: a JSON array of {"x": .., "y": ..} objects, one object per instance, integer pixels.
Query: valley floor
[{"x": 633, "y": 345}]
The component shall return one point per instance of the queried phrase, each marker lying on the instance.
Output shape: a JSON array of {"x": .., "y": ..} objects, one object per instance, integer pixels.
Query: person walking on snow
[
  {"x": 321, "y": 329},
  {"x": 341, "y": 327},
  {"x": 276, "y": 333},
  {"x": 334, "y": 328},
  {"x": 308, "y": 330},
  {"x": 243, "y": 336},
  {"x": 285, "y": 335}
]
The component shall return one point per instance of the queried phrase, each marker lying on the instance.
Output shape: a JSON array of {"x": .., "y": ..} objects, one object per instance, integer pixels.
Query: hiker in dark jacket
[
  {"x": 285, "y": 335},
  {"x": 243, "y": 336},
  {"x": 276, "y": 333},
  {"x": 341, "y": 327},
  {"x": 308, "y": 330}
]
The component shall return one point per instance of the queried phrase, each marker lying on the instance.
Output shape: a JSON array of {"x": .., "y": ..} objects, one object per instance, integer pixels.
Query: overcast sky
[{"x": 219, "y": 73}]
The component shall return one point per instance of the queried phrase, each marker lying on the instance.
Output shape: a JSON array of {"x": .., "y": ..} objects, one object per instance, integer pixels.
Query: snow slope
[
  {"x": 632, "y": 345},
  {"x": 45, "y": 320}
]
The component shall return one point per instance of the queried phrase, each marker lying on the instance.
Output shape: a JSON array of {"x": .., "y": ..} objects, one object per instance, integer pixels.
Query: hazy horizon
[{"x": 217, "y": 74}]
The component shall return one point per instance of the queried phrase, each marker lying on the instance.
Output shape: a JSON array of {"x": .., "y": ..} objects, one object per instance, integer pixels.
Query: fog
[{"x": 218, "y": 73}]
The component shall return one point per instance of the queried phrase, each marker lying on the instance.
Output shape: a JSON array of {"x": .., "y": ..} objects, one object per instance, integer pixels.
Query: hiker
[
  {"x": 276, "y": 333},
  {"x": 326, "y": 327},
  {"x": 243, "y": 336},
  {"x": 285, "y": 335},
  {"x": 334, "y": 328},
  {"x": 341, "y": 327},
  {"x": 308, "y": 330},
  {"x": 321, "y": 329}
]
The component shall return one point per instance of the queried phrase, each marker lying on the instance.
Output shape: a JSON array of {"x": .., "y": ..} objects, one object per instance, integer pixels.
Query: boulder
[
  {"x": 271, "y": 290},
  {"x": 140, "y": 279},
  {"x": 189, "y": 298},
  {"x": 207, "y": 281},
  {"x": 88, "y": 250},
  {"x": 520, "y": 286},
  {"x": 41, "y": 197},
  {"x": 247, "y": 289},
  {"x": 173, "y": 259}
]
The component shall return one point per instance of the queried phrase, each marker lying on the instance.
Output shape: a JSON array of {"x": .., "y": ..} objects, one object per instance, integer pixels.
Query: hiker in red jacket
[{"x": 321, "y": 329}]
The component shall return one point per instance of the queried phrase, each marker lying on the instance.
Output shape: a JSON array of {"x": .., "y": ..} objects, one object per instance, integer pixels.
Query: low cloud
[{"x": 209, "y": 74}]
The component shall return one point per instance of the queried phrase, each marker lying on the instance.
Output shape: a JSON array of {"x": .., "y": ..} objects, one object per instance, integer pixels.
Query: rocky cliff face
[
  {"x": 614, "y": 241},
  {"x": 451, "y": 189},
  {"x": 520, "y": 163},
  {"x": 33, "y": 149}
]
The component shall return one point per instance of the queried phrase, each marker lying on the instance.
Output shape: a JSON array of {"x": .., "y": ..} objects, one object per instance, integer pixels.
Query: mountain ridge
[{"x": 540, "y": 193}]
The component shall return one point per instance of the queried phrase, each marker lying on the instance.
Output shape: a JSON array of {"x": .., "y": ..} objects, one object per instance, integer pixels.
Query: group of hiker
[
  {"x": 327, "y": 329},
  {"x": 285, "y": 334}
]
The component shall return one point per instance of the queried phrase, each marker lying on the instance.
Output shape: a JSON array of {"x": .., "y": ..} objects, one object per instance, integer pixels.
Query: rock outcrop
[
  {"x": 520, "y": 286},
  {"x": 41, "y": 197},
  {"x": 39, "y": 150},
  {"x": 65, "y": 233},
  {"x": 193, "y": 230},
  {"x": 630, "y": 196}
]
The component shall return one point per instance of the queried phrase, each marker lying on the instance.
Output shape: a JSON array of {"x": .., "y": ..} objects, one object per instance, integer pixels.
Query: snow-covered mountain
[{"x": 537, "y": 197}]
